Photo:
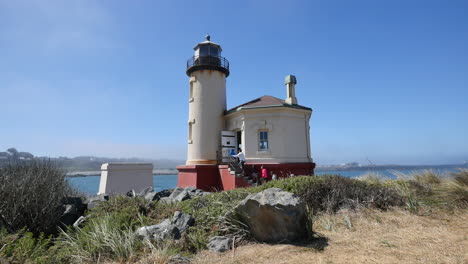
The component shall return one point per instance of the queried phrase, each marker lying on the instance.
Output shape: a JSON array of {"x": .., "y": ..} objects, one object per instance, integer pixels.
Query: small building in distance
[{"x": 272, "y": 132}]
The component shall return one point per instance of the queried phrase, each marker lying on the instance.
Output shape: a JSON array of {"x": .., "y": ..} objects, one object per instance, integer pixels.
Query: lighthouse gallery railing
[{"x": 208, "y": 61}]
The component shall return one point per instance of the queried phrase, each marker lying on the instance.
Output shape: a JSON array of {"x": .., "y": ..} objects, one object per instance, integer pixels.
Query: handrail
[
  {"x": 208, "y": 62},
  {"x": 234, "y": 165}
]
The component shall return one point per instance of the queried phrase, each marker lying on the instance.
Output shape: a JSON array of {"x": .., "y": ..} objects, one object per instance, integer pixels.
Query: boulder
[
  {"x": 182, "y": 221},
  {"x": 159, "y": 232},
  {"x": 194, "y": 192},
  {"x": 182, "y": 196},
  {"x": 166, "y": 200},
  {"x": 131, "y": 193},
  {"x": 273, "y": 215},
  {"x": 179, "y": 194},
  {"x": 77, "y": 201},
  {"x": 73, "y": 208},
  {"x": 149, "y": 196},
  {"x": 162, "y": 194},
  {"x": 145, "y": 191},
  {"x": 176, "y": 192},
  {"x": 69, "y": 215},
  {"x": 167, "y": 229},
  {"x": 219, "y": 244},
  {"x": 94, "y": 201}
]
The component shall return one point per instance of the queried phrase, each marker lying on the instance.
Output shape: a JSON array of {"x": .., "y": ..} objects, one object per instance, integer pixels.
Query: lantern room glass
[{"x": 207, "y": 50}]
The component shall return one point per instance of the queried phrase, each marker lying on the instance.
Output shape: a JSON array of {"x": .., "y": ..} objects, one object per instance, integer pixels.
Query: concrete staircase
[{"x": 238, "y": 173}]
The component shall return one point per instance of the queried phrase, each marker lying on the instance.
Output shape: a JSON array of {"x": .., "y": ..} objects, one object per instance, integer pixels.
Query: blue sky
[{"x": 388, "y": 80}]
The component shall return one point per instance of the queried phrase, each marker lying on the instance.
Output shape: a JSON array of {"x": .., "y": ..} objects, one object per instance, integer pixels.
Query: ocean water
[
  {"x": 90, "y": 184},
  {"x": 392, "y": 174}
]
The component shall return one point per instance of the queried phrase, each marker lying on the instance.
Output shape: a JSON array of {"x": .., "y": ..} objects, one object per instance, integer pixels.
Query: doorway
[{"x": 239, "y": 140}]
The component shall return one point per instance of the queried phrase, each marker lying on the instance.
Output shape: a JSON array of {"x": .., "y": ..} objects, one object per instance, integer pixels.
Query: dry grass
[{"x": 367, "y": 236}]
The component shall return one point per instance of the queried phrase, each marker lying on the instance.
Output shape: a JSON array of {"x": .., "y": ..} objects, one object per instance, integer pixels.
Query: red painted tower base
[
  {"x": 218, "y": 177},
  {"x": 205, "y": 177}
]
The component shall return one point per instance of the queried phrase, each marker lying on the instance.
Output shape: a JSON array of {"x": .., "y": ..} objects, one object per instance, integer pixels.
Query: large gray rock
[
  {"x": 161, "y": 194},
  {"x": 176, "y": 192},
  {"x": 181, "y": 194},
  {"x": 273, "y": 215},
  {"x": 145, "y": 191},
  {"x": 184, "y": 195},
  {"x": 167, "y": 229},
  {"x": 69, "y": 215},
  {"x": 167, "y": 200},
  {"x": 219, "y": 244},
  {"x": 159, "y": 232},
  {"x": 182, "y": 221},
  {"x": 94, "y": 201},
  {"x": 73, "y": 208},
  {"x": 194, "y": 192}
]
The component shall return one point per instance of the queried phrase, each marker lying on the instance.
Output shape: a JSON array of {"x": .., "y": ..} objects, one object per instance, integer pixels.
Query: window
[
  {"x": 190, "y": 133},
  {"x": 263, "y": 140},
  {"x": 204, "y": 50},
  {"x": 191, "y": 92},
  {"x": 214, "y": 51}
]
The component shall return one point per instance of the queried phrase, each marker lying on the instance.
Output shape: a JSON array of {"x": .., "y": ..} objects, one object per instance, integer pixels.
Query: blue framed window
[{"x": 263, "y": 140}]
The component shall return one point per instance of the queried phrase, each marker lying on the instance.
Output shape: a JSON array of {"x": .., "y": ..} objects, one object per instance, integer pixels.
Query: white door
[{"x": 228, "y": 144}]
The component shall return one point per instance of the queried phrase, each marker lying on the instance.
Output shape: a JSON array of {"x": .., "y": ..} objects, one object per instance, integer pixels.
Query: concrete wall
[
  {"x": 206, "y": 116},
  {"x": 119, "y": 178},
  {"x": 288, "y": 134}
]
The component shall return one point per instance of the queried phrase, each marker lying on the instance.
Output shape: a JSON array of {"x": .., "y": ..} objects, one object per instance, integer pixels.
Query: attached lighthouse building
[{"x": 272, "y": 132}]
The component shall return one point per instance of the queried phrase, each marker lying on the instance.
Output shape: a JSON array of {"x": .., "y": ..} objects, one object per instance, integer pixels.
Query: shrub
[
  {"x": 453, "y": 192},
  {"x": 131, "y": 210},
  {"x": 427, "y": 177},
  {"x": 331, "y": 193},
  {"x": 109, "y": 236},
  {"x": 23, "y": 247},
  {"x": 32, "y": 194},
  {"x": 461, "y": 177}
]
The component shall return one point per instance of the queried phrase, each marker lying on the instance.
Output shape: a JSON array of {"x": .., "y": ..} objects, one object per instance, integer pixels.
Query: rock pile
[
  {"x": 169, "y": 196},
  {"x": 182, "y": 194}
]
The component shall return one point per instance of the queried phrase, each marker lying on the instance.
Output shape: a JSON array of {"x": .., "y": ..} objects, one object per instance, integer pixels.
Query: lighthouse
[
  {"x": 272, "y": 132},
  {"x": 207, "y": 102}
]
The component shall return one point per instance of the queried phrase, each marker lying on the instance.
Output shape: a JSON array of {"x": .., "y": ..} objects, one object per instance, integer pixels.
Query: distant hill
[{"x": 85, "y": 163}]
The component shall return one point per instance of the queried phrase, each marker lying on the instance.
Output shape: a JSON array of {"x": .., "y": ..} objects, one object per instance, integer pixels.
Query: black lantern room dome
[{"x": 208, "y": 57}]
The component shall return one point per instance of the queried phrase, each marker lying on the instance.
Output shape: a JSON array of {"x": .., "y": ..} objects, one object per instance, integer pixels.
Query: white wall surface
[
  {"x": 119, "y": 178},
  {"x": 206, "y": 114},
  {"x": 288, "y": 134}
]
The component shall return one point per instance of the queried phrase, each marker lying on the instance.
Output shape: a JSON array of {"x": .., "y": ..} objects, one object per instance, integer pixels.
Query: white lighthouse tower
[{"x": 207, "y": 102}]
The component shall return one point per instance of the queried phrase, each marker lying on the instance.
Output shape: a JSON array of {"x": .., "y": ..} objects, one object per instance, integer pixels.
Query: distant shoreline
[
  {"x": 317, "y": 169},
  {"x": 390, "y": 167},
  {"x": 98, "y": 173}
]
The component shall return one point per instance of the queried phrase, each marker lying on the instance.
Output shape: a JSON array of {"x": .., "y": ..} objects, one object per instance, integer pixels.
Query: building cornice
[{"x": 263, "y": 108}]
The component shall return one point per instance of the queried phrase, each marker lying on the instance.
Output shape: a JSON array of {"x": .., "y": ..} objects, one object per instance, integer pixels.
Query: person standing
[
  {"x": 240, "y": 155},
  {"x": 264, "y": 174}
]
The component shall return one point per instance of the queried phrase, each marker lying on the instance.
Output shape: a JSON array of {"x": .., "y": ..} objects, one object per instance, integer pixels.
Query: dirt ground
[{"x": 368, "y": 236}]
